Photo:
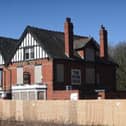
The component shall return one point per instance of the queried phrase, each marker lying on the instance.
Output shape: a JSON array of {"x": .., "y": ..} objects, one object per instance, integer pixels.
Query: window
[
  {"x": 90, "y": 54},
  {"x": 32, "y": 53},
  {"x": 76, "y": 76},
  {"x": 20, "y": 75},
  {"x": 1, "y": 77},
  {"x": 90, "y": 75},
  {"x": 38, "y": 74},
  {"x": 26, "y": 78},
  {"x": 28, "y": 53},
  {"x": 60, "y": 72}
]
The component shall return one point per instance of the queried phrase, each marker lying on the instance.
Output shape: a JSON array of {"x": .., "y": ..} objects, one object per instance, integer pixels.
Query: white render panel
[
  {"x": 35, "y": 52},
  {"x": 20, "y": 75},
  {"x": 19, "y": 57},
  {"x": 1, "y": 59},
  {"x": 37, "y": 48},
  {"x": 38, "y": 74},
  {"x": 40, "y": 50},
  {"x": 26, "y": 44},
  {"x": 29, "y": 41},
  {"x": 22, "y": 54}
]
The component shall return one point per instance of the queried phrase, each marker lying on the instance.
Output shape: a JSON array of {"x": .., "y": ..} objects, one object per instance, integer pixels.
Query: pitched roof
[
  {"x": 7, "y": 48},
  {"x": 81, "y": 43},
  {"x": 51, "y": 41}
]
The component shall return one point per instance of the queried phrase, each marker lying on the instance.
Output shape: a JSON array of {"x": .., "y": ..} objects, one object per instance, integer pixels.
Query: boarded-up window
[
  {"x": 76, "y": 76},
  {"x": 60, "y": 72},
  {"x": 90, "y": 75},
  {"x": 90, "y": 54},
  {"x": 19, "y": 75},
  {"x": 38, "y": 74}
]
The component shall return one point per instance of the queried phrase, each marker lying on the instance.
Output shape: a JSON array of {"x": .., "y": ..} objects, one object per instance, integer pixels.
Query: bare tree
[{"x": 118, "y": 53}]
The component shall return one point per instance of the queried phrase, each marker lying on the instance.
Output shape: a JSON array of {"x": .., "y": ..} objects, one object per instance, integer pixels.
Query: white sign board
[{"x": 74, "y": 96}]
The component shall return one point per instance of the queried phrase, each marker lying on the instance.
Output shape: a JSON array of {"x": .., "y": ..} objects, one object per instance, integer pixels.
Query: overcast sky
[{"x": 87, "y": 16}]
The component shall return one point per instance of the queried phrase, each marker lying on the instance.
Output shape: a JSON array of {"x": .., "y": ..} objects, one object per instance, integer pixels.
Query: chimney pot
[{"x": 68, "y": 19}]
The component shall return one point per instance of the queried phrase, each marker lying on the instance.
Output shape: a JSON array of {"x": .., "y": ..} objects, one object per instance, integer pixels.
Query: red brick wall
[
  {"x": 6, "y": 78},
  {"x": 48, "y": 77},
  {"x": 48, "y": 66},
  {"x": 47, "y": 70},
  {"x": 81, "y": 53},
  {"x": 63, "y": 95},
  {"x": 30, "y": 70}
]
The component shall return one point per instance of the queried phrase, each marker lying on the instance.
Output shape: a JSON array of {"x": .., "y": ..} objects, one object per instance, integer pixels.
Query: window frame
[
  {"x": 41, "y": 75},
  {"x": 73, "y": 78},
  {"x": 29, "y": 53},
  {"x": 56, "y": 75},
  {"x": 27, "y": 76}
]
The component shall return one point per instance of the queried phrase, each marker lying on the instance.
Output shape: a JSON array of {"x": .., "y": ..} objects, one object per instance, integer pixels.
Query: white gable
[
  {"x": 1, "y": 60},
  {"x": 29, "y": 42}
]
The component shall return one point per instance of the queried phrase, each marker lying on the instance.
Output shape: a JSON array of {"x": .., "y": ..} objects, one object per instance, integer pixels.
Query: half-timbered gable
[{"x": 29, "y": 49}]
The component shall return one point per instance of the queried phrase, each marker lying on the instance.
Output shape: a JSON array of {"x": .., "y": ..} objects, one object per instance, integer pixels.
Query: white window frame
[
  {"x": 30, "y": 52},
  {"x": 38, "y": 78},
  {"x": 74, "y": 76}
]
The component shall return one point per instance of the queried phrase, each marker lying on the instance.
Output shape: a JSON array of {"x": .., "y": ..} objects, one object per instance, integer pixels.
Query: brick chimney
[
  {"x": 103, "y": 43},
  {"x": 68, "y": 37}
]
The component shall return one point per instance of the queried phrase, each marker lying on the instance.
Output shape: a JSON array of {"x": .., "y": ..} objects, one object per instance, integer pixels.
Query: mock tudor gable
[
  {"x": 29, "y": 49},
  {"x": 46, "y": 64}
]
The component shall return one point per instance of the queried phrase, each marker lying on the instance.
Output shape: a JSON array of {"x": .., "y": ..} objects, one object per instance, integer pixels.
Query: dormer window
[{"x": 28, "y": 53}]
